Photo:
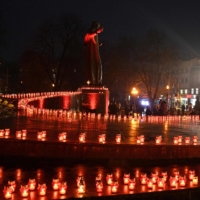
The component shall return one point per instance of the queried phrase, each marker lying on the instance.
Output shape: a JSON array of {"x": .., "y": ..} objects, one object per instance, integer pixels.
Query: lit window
[
  {"x": 197, "y": 90},
  {"x": 181, "y": 91},
  {"x": 192, "y": 90},
  {"x": 185, "y": 91}
]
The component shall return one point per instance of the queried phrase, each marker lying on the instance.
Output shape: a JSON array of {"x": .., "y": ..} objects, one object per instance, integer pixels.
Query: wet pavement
[{"x": 44, "y": 171}]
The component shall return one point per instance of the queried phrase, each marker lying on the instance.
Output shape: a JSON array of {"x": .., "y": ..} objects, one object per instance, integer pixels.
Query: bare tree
[
  {"x": 57, "y": 50},
  {"x": 152, "y": 59}
]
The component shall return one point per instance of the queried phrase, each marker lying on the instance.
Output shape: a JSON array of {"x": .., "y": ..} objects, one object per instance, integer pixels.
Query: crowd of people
[
  {"x": 160, "y": 109},
  {"x": 115, "y": 108}
]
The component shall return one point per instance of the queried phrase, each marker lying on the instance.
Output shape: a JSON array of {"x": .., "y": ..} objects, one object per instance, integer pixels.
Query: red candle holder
[
  {"x": 175, "y": 140},
  {"x": 24, "y": 191},
  {"x": 7, "y": 191},
  {"x": 187, "y": 140},
  {"x": 7, "y": 132},
  {"x": 18, "y": 134},
  {"x": 131, "y": 184},
  {"x": 118, "y": 138},
  {"x": 191, "y": 175},
  {"x": 42, "y": 189},
  {"x": 195, "y": 180},
  {"x": 180, "y": 139},
  {"x": 99, "y": 186},
  {"x": 55, "y": 184},
  {"x": 158, "y": 139},
  {"x": 12, "y": 185},
  {"x": 173, "y": 181},
  {"x": 31, "y": 184},
  {"x": 82, "y": 137},
  {"x": 176, "y": 175},
  {"x": 1, "y": 133},
  {"x": 164, "y": 175},
  {"x": 143, "y": 178},
  {"x": 154, "y": 177},
  {"x": 160, "y": 182},
  {"x": 81, "y": 186},
  {"x": 109, "y": 179},
  {"x": 195, "y": 139},
  {"x": 24, "y": 133},
  {"x": 182, "y": 181},
  {"x": 114, "y": 187},
  {"x": 63, "y": 188},
  {"x": 150, "y": 183},
  {"x": 126, "y": 179}
]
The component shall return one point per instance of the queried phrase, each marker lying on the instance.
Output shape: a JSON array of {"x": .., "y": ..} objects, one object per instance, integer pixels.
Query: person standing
[{"x": 183, "y": 109}]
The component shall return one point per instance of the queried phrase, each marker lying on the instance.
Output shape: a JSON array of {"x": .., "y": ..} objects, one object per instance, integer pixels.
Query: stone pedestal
[{"x": 94, "y": 99}]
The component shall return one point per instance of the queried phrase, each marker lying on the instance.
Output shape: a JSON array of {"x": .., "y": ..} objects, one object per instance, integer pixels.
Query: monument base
[{"x": 94, "y": 99}]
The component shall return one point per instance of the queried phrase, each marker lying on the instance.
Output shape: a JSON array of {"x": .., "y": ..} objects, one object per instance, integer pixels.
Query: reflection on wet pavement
[
  {"x": 93, "y": 126},
  {"x": 89, "y": 172}
]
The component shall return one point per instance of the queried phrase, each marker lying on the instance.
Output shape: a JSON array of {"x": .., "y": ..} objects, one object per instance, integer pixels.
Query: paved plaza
[{"x": 45, "y": 170}]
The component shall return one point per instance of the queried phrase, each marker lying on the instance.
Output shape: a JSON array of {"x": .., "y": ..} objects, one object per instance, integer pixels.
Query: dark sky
[{"x": 178, "y": 18}]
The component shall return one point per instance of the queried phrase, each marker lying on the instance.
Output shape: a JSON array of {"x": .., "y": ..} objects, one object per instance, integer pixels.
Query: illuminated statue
[{"x": 93, "y": 60}]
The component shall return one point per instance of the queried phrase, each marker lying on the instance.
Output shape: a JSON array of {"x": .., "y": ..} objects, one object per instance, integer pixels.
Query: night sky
[{"x": 180, "y": 19}]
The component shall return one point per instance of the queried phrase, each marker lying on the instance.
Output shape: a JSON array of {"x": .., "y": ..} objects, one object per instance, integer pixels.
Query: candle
[
  {"x": 118, "y": 138},
  {"x": 24, "y": 191},
  {"x": 191, "y": 174},
  {"x": 142, "y": 138},
  {"x": 32, "y": 184},
  {"x": 154, "y": 177},
  {"x": 18, "y": 134},
  {"x": 195, "y": 180},
  {"x": 182, "y": 181},
  {"x": 12, "y": 185},
  {"x": 160, "y": 182},
  {"x": 99, "y": 186},
  {"x": 158, "y": 139},
  {"x": 82, "y": 137},
  {"x": 42, "y": 189},
  {"x": 143, "y": 179},
  {"x": 24, "y": 133},
  {"x": 126, "y": 178},
  {"x": 195, "y": 139},
  {"x": 79, "y": 178},
  {"x": 1, "y": 133},
  {"x": 164, "y": 175},
  {"x": 63, "y": 188},
  {"x": 7, "y": 132},
  {"x": 81, "y": 187},
  {"x": 55, "y": 184},
  {"x": 114, "y": 187},
  {"x": 173, "y": 181},
  {"x": 131, "y": 184},
  {"x": 109, "y": 179},
  {"x": 176, "y": 175},
  {"x": 7, "y": 191},
  {"x": 149, "y": 183},
  {"x": 175, "y": 140},
  {"x": 180, "y": 139},
  {"x": 187, "y": 140}
]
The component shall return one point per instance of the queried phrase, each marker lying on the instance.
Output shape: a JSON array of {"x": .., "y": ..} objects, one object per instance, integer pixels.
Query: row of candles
[
  {"x": 151, "y": 118},
  {"x": 48, "y": 94},
  {"x": 101, "y": 138},
  {"x": 175, "y": 181}
]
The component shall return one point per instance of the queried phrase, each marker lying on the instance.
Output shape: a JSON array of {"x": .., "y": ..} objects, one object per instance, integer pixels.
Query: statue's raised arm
[{"x": 93, "y": 60}]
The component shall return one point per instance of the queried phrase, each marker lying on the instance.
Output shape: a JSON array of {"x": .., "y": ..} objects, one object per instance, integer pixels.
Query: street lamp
[
  {"x": 134, "y": 91},
  {"x": 167, "y": 87}
]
